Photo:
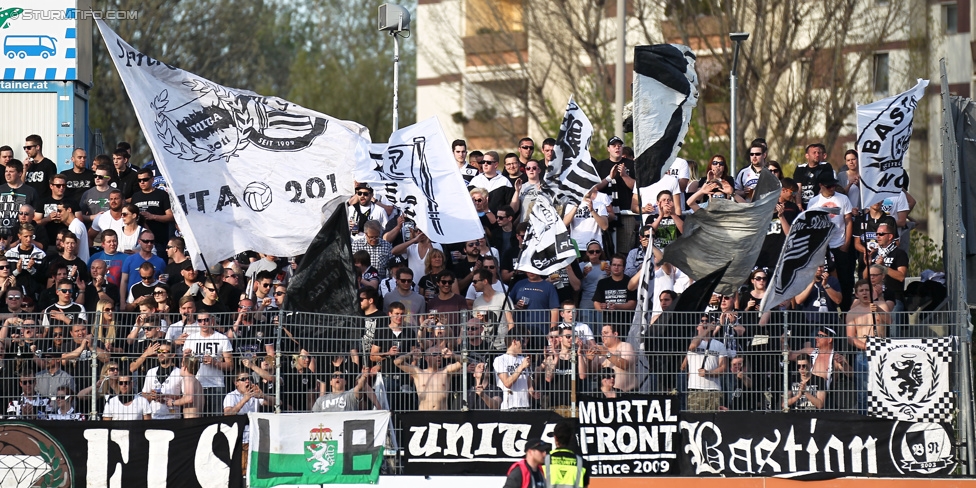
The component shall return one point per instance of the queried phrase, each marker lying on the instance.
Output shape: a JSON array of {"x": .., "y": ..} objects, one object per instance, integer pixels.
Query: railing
[{"x": 313, "y": 355}]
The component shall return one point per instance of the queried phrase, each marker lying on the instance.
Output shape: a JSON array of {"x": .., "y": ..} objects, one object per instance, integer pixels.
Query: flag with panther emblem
[{"x": 908, "y": 379}]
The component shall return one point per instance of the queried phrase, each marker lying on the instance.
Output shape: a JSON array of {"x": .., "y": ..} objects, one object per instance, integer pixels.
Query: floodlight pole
[
  {"x": 396, "y": 80},
  {"x": 737, "y": 38}
]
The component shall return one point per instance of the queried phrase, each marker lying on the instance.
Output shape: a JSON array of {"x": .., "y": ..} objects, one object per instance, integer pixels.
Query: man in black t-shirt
[
  {"x": 38, "y": 169},
  {"x": 390, "y": 342},
  {"x": 892, "y": 257},
  {"x": 154, "y": 208},
  {"x": 783, "y": 216},
  {"x": 617, "y": 173},
  {"x": 80, "y": 178},
  {"x": 808, "y": 177},
  {"x": 613, "y": 296}
]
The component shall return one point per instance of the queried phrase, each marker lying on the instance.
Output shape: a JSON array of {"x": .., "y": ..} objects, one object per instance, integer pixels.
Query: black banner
[
  {"x": 484, "y": 442},
  {"x": 184, "y": 453},
  {"x": 820, "y": 445},
  {"x": 629, "y": 436}
]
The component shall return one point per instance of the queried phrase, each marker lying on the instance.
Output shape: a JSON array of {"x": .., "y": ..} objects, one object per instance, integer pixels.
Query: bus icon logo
[{"x": 23, "y": 46}]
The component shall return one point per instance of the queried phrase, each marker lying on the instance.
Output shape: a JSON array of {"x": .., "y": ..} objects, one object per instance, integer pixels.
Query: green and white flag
[{"x": 316, "y": 448}]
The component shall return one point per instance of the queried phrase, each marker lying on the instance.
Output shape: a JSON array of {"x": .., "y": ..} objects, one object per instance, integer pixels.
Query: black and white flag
[
  {"x": 571, "y": 172},
  {"x": 803, "y": 251},
  {"x": 665, "y": 92},
  {"x": 884, "y": 129},
  {"x": 416, "y": 171},
  {"x": 244, "y": 171},
  {"x": 908, "y": 379},
  {"x": 546, "y": 247}
]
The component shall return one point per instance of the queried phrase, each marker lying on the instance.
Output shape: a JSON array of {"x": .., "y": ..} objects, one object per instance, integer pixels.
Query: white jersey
[
  {"x": 215, "y": 346},
  {"x": 116, "y": 410},
  {"x": 518, "y": 395},
  {"x": 171, "y": 385},
  {"x": 747, "y": 179},
  {"x": 707, "y": 355},
  {"x": 839, "y": 201},
  {"x": 584, "y": 228}
]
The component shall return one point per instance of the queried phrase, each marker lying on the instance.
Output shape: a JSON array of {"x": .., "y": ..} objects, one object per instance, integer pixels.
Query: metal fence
[{"x": 447, "y": 361}]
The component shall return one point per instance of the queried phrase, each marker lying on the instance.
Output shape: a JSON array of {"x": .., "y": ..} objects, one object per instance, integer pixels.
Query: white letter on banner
[
  {"x": 417, "y": 435},
  {"x": 513, "y": 444},
  {"x": 623, "y": 411},
  {"x": 838, "y": 447},
  {"x": 605, "y": 414},
  {"x": 791, "y": 448},
  {"x": 120, "y": 437},
  {"x": 97, "y": 465},
  {"x": 648, "y": 438},
  {"x": 858, "y": 447},
  {"x": 640, "y": 405},
  {"x": 604, "y": 440},
  {"x": 210, "y": 471},
  {"x": 655, "y": 412},
  {"x": 767, "y": 446},
  {"x": 740, "y": 450},
  {"x": 455, "y": 433},
  {"x": 812, "y": 450},
  {"x": 630, "y": 445},
  {"x": 587, "y": 412},
  {"x": 586, "y": 438},
  {"x": 669, "y": 431},
  {"x": 702, "y": 455},
  {"x": 159, "y": 455},
  {"x": 487, "y": 433}
]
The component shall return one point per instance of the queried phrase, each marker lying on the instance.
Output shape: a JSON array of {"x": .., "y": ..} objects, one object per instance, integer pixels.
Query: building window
[
  {"x": 950, "y": 18},
  {"x": 881, "y": 73}
]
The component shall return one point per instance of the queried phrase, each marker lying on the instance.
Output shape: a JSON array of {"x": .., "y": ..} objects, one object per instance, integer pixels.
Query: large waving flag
[
  {"x": 416, "y": 171},
  {"x": 665, "y": 92},
  {"x": 884, "y": 129},
  {"x": 803, "y": 251},
  {"x": 571, "y": 172},
  {"x": 249, "y": 172},
  {"x": 725, "y": 232}
]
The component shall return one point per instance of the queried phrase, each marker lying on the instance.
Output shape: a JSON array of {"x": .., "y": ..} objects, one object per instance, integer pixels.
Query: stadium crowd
[{"x": 100, "y": 300}]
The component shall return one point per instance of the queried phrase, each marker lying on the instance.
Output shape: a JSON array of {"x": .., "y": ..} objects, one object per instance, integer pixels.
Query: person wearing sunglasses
[
  {"x": 808, "y": 175},
  {"x": 94, "y": 200},
  {"x": 499, "y": 189},
  {"x": 748, "y": 177},
  {"x": 213, "y": 350},
  {"x": 526, "y": 148},
  {"x": 65, "y": 311},
  {"x": 533, "y": 189},
  {"x": 30, "y": 405},
  {"x": 363, "y": 207},
  {"x": 50, "y": 213},
  {"x": 127, "y": 405},
  {"x": 154, "y": 208},
  {"x": 38, "y": 170},
  {"x": 807, "y": 390},
  {"x": 133, "y": 263},
  {"x": 447, "y": 303},
  {"x": 79, "y": 179}
]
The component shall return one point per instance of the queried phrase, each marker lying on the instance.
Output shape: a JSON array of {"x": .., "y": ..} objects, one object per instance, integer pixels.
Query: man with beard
[{"x": 163, "y": 384}]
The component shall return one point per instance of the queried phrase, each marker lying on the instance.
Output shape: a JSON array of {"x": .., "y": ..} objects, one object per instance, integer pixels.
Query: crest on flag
[
  {"x": 546, "y": 247},
  {"x": 322, "y": 450},
  {"x": 909, "y": 379},
  {"x": 218, "y": 123},
  {"x": 571, "y": 172},
  {"x": 884, "y": 129}
]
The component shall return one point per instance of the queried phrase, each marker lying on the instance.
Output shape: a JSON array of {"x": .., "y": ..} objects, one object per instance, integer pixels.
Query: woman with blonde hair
[
  {"x": 105, "y": 325},
  {"x": 434, "y": 263}
]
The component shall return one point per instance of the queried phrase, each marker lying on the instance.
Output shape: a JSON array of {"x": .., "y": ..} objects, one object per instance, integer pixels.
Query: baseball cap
[
  {"x": 537, "y": 444},
  {"x": 216, "y": 269},
  {"x": 827, "y": 330},
  {"x": 363, "y": 186},
  {"x": 396, "y": 261},
  {"x": 615, "y": 140}
]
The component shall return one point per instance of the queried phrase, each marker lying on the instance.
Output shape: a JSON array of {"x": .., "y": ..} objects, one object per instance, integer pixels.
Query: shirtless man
[
  {"x": 619, "y": 356},
  {"x": 865, "y": 319},
  {"x": 433, "y": 382},
  {"x": 192, "y": 400}
]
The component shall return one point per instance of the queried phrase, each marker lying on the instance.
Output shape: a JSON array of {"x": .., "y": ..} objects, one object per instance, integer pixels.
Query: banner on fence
[
  {"x": 819, "y": 445},
  {"x": 316, "y": 448},
  {"x": 908, "y": 379},
  {"x": 474, "y": 442},
  {"x": 629, "y": 436},
  {"x": 184, "y": 453}
]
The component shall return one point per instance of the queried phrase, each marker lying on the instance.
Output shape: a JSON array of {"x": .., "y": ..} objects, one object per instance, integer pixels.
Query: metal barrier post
[{"x": 281, "y": 319}]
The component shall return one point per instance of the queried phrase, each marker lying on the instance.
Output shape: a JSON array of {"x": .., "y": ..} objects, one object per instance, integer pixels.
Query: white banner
[
  {"x": 908, "y": 379},
  {"x": 417, "y": 172},
  {"x": 803, "y": 250},
  {"x": 884, "y": 129},
  {"x": 571, "y": 172},
  {"x": 546, "y": 247},
  {"x": 316, "y": 448},
  {"x": 250, "y": 172}
]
